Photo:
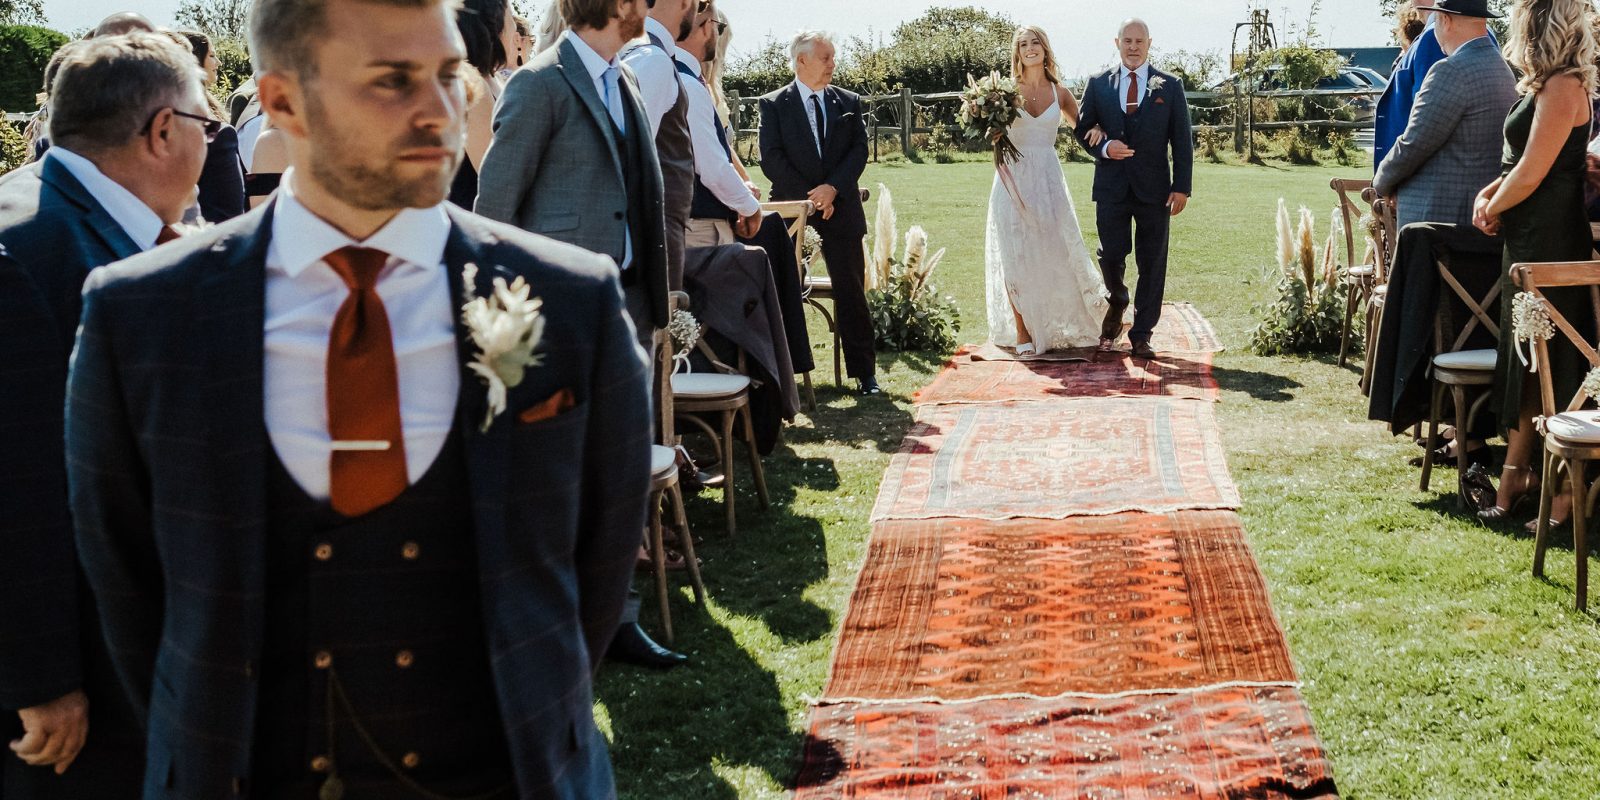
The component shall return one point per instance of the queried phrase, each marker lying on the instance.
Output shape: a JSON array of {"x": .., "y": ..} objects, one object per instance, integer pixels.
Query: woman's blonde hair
[
  {"x": 1051, "y": 71},
  {"x": 714, "y": 69},
  {"x": 1550, "y": 38}
]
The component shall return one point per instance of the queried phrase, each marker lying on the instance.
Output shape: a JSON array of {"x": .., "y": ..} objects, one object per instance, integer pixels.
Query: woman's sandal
[{"x": 1491, "y": 512}]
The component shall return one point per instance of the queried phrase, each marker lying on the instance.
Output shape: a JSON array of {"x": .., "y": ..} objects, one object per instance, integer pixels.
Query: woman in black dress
[
  {"x": 1538, "y": 207},
  {"x": 222, "y": 192},
  {"x": 490, "y": 33}
]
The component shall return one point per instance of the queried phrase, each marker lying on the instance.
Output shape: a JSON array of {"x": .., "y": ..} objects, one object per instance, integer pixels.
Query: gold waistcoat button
[
  {"x": 404, "y": 658},
  {"x": 323, "y": 659}
]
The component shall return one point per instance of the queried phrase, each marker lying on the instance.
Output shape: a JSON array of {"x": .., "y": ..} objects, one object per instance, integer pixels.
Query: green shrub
[
  {"x": 235, "y": 69},
  {"x": 1308, "y": 314},
  {"x": 24, "y": 52},
  {"x": 14, "y": 148}
]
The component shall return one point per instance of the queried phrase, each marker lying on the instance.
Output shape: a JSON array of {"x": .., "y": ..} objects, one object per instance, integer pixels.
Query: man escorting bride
[{"x": 1044, "y": 292}]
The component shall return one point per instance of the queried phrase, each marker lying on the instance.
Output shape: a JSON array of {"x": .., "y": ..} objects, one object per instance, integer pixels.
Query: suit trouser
[
  {"x": 675, "y": 250},
  {"x": 637, "y": 301},
  {"x": 708, "y": 233},
  {"x": 847, "y": 268},
  {"x": 1116, "y": 221}
]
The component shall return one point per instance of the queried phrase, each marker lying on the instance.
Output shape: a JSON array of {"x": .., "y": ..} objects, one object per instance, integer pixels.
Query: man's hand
[
  {"x": 1117, "y": 151},
  {"x": 748, "y": 227},
  {"x": 54, "y": 732},
  {"x": 822, "y": 197},
  {"x": 1176, "y": 203}
]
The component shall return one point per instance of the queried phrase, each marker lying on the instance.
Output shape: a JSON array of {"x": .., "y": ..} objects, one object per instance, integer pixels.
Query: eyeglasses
[
  {"x": 211, "y": 127},
  {"x": 701, "y": 6},
  {"x": 722, "y": 27}
]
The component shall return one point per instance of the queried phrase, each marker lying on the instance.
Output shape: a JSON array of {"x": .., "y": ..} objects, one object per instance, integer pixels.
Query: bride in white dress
[{"x": 1044, "y": 290}]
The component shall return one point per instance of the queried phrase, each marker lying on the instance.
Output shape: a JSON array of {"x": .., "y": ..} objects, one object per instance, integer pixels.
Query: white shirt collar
[
  {"x": 1143, "y": 71},
  {"x": 136, "y": 219},
  {"x": 592, "y": 61},
  {"x": 654, "y": 26},
  {"x": 687, "y": 59},
  {"x": 806, "y": 91},
  {"x": 301, "y": 239}
]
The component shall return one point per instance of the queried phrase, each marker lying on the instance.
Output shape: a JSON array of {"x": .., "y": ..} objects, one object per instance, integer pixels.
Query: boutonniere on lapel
[
  {"x": 1156, "y": 82},
  {"x": 506, "y": 328}
]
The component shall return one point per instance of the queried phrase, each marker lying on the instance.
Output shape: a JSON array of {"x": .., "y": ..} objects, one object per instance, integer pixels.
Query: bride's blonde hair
[
  {"x": 1551, "y": 38},
  {"x": 1051, "y": 72}
]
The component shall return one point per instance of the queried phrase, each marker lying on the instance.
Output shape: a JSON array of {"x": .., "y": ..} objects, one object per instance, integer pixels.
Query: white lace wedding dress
[{"x": 1036, "y": 259}]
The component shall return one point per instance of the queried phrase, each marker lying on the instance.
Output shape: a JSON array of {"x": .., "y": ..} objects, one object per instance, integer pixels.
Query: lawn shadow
[{"x": 1266, "y": 386}]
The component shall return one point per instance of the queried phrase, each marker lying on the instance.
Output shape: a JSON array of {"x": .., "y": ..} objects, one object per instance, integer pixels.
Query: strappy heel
[{"x": 1530, "y": 491}]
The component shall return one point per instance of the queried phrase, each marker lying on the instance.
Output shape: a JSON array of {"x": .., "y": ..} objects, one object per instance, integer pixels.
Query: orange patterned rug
[
  {"x": 1241, "y": 743},
  {"x": 965, "y": 609},
  {"x": 1056, "y": 460},
  {"x": 965, "y": 380},
  {"x": 1182, "y": 329}
]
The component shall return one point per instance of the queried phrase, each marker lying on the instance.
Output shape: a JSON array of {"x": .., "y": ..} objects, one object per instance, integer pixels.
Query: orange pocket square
[{"x": 555, "y": 405}]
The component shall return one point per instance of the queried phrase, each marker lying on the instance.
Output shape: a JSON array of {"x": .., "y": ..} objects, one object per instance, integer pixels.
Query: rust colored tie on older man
[
  {"x": 368, "y": 463},
  {"x": 1132, "y": 106}
]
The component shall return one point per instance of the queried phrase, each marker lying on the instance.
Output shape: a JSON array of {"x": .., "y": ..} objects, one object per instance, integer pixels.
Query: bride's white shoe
[{"x": 1026, "y": 349}]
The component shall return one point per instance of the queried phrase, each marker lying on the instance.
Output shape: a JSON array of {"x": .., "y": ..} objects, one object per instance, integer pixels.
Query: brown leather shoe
[
  {"x": 1143, "y": 350},
  {"x": 1107, "y": 346}
]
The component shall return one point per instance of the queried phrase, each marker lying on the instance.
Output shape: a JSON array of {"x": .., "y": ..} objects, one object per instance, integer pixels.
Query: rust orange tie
[
  {"x": 1133, "y": 93},
  {"x": 368, "y": 465}
]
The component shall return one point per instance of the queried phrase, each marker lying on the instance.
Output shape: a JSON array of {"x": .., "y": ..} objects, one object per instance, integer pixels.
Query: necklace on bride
[{"x": 1029, "y": 98}]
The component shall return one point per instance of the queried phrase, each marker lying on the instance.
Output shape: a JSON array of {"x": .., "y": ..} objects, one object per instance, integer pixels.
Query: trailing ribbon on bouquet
[
  {"x": 1529, "y": 321},
  {"x": 988, "y": 109}
]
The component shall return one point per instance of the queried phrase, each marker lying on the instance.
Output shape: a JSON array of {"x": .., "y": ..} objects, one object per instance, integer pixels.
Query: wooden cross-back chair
[
  {"x": 1360, "y": 274},
  {"x": 1455, "y": 369},
  {"x": 1571, "y": 434},
  {"x": 797, "y": 214},
  {"x": 1384, "y": 246},
  {"x": 665, "y": 486}
]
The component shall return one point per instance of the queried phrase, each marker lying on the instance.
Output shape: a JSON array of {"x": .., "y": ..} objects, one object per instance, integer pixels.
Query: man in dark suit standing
[
  {"x": 1144, "y": 115},
  {"x": 334, "y": 558},
  {"x": 814, "y": 147},
  {"x": 574, "y": 154},
  {"x": 130, "y": 126}
]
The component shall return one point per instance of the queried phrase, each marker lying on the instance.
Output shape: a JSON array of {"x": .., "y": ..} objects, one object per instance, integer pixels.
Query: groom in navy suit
[
  {"x": 1144, "y": 114},
  {"x": 331, "y": 560}
]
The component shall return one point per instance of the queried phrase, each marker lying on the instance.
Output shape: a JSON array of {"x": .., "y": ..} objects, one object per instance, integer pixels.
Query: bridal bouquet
[{"x": 988, "y": 109}]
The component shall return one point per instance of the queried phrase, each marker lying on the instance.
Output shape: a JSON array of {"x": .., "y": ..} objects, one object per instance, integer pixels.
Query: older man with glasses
[{"x": 129, "y": 123}]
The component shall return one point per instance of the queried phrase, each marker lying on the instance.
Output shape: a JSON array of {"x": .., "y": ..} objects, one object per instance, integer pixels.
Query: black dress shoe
[
  {"x": 633, "y": 646},
  {"x": 1143, "y": 350},
  {"x": 869, "y": 387}
]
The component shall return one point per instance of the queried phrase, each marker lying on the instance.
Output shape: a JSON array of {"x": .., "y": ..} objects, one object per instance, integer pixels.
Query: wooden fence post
[{"x": 908, "y": 111}]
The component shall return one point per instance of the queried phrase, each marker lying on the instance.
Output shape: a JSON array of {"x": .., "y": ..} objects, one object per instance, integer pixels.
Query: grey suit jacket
[
  {"x": 554, "y": 167},
  {"x": 1451, "y": 146}
]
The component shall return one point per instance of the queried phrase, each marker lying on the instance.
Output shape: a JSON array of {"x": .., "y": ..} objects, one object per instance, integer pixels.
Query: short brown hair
[
  {"x": 592, "y": 14},
  {"x": 106, "y": 89},
  {"x": 284, "y": 34}
]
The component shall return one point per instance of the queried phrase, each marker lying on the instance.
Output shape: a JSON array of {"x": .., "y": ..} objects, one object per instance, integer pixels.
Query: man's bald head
[
  {"x": 1135, "y": 23},
  {"x": 124, "y": 22},
  {"x": 1133, "y": 42}
]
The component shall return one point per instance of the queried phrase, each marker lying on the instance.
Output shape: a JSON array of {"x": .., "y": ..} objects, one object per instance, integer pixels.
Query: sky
[{"x": 1080, "y": 30}]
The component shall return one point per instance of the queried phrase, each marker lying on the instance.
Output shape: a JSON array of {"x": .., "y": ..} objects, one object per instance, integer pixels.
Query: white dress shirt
[
  {"x": 806, "y": 93},
  {"x": 711, "y": 163},
  {"x": 304, "y": 294},
  {"x": 136, "y": 219},
  {"x": 597, "y": 67},
  {"x": 658, "y": 78},
  {"x": 1141, "y": 77}
]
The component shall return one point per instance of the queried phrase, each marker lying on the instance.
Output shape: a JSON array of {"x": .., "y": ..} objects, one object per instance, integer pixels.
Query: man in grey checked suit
[
  {"x": 573, "y": 156},
  {"x": 1451, "y": 146}
]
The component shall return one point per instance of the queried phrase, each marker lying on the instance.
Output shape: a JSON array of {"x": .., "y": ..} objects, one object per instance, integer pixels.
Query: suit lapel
[
  {"x": 488, "y": 453},
  {"x": 572, "y": 67},
  {"x": 100, "y": 220},
  {"x": 797, "y": 112},
  {"x": 832, "y": 113}
]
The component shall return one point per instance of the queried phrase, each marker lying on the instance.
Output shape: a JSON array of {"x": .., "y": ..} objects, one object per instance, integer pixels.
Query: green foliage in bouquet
[
  {"x": 908, "y": 313},
  {"x": 1308, "y": 313}
]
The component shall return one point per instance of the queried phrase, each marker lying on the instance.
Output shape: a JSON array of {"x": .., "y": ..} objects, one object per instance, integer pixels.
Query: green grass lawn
[{"x": 1435, "y": 665}]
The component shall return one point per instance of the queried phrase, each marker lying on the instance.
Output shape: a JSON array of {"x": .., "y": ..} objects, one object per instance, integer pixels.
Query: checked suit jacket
[
  {"x": 554, "y": 167},
  {"x": 53, "y": 233},
  {"x": 168, "y": 456},
  {"x": 1162, "y": 125},
  {"x": 1451, "y": 145}
]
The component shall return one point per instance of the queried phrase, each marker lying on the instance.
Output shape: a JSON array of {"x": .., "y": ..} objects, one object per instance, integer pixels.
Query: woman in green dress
[{"x": 1537, "y": 206}]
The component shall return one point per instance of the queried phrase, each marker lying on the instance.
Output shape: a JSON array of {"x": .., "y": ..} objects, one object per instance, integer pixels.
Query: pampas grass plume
[
  {"x": 1285, "y": 241},
  {"x": 1306, "y": 245}
]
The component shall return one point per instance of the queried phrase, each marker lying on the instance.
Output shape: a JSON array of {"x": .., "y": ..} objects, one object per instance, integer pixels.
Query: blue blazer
[
  {"x": 1394, "y": 107},
  {"x": 53, "y": 233},
  {"x": 1161, "y": 126},
  {"x": 167, "y": 460}
]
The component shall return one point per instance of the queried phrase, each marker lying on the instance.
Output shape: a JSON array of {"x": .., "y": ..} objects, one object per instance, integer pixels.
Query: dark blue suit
[
  {"x": 1135, "y": 189},
  {"x": 168, "y": 461},
  {"x": 50, "y": 643}
]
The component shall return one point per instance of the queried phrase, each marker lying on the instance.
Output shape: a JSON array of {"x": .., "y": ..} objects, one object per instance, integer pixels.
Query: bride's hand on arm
[{"x": 1069, "y": 109}]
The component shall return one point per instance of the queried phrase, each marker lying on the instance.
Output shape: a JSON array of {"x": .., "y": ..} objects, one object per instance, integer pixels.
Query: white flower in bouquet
[{"x": 506, "y": 328}]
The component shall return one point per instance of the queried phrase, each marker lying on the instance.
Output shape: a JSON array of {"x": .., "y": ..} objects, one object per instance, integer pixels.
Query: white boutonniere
[
  {"x": 506, "y": 328},
  {"x": 1156, "y": 82}
]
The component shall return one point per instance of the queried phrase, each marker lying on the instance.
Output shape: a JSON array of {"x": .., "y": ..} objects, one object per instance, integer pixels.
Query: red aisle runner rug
[
  {"x": 1058, "y": 459},
  {"x": 967, "y": 609},
  {"x": 1182, "y": 329},
  {"x": 965, "y": 380},
  {"x": 1240, "y": 743}
]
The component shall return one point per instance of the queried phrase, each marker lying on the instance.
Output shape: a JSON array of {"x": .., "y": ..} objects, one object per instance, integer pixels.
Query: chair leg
[
  {"x": 1576, "y": 470},
  {"x": 1374, "y": 323},
  {"x": 1458, "y": 395},
  {"x": 727, "y": 470},
  {"x": 811, "y": 395},
  {"x": 1547, "y": 493},
  {"x": 1349, "y": 315},
  {"x": 1433, "y": 434},
  {"x": 681, "y": 520},
  {"x": 658, "y": 554},
  {"x": 755, "y": 457},
  {"x": 838, "y": 372}
]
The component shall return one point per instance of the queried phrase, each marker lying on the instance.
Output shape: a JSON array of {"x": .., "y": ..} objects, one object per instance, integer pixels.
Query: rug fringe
[{"x": 931, "y": 700}]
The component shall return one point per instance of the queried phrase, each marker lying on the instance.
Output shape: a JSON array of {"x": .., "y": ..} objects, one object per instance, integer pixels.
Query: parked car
[{"x": 1364, "y": 106}]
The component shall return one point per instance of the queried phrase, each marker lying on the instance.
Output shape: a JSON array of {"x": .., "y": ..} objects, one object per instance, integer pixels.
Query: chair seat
[
  {"x": 1362, "y": 271},
  {"x": 1472, "y": 360},
  {"x": 819, "y": 286},
  {"x": 1578, "y": 427},
  {"x": 704, "y": 385},
  {"x": 663, "y": 460}
]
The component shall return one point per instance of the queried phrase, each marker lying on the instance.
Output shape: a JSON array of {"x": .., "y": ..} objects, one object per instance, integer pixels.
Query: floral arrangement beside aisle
[
  {"x": 908, "y": 313},
  {"x": 1308, "y": 313}
]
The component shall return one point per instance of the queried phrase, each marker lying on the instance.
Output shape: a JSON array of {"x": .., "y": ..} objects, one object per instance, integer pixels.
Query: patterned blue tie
[{"x": 614, "y": 98}]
